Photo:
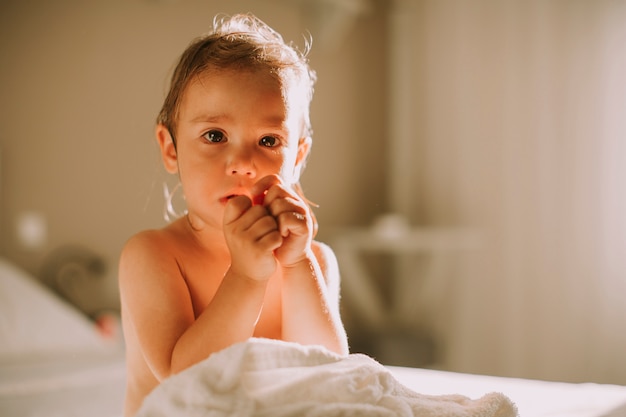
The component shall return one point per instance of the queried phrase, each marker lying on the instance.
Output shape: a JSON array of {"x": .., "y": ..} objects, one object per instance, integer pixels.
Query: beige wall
[
  {"x": 515, "y": 127},
  {"x": 520, "y": 131},
  {"x": 81, "y": 84}
]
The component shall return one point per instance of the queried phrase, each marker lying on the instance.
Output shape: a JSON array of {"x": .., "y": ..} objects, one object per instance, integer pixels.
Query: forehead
[
  {"x": 228, "y": 85},
  {"x": 239, "y": 92}
]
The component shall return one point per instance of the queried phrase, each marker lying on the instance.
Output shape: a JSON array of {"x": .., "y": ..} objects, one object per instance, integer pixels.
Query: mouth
[
  {"x": 256, "y": 200},
  {"x": 225, "y": 199}
]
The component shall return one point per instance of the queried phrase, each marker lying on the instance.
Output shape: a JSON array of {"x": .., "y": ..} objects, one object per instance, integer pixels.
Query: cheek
[
  {"x": 197, "y": 174},
  {"x": 287, "y": 176},
  {"x": 287, "y": 168}
]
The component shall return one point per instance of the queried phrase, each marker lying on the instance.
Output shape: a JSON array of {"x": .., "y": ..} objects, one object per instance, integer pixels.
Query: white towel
[{"x": 263, "y": 377}]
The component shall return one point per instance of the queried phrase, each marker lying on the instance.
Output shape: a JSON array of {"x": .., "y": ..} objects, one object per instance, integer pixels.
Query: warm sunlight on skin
[
  {"x": 238, "y": 130},
  {"x": 243, "y": 262}
]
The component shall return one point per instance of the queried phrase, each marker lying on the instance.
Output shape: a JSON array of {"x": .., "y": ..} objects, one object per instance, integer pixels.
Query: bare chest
[{"x": 203, "y": 282}]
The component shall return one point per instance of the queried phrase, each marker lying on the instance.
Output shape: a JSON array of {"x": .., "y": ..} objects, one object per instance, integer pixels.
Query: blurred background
[{"x": 468, "y": 162}]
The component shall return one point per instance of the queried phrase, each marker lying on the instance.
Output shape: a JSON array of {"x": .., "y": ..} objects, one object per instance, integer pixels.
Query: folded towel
[{"x": 263, "y": 377}]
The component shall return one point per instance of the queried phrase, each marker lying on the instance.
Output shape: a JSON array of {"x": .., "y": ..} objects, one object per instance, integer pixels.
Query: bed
[
  {"x": 533, "y": 398},
  {"x": 53, "y": 362}
]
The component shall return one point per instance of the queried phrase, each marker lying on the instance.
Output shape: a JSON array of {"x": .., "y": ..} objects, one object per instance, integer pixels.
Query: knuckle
[{"x": 269, "y": 222}]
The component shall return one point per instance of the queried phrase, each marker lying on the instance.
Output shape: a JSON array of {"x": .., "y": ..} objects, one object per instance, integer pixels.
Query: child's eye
[
  {"x": 214, "y": 136},
  {"x": 269, "y": 141}
]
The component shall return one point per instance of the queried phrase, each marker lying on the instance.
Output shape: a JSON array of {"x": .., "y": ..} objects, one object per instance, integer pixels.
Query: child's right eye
[{"x": 214, "y": 136}]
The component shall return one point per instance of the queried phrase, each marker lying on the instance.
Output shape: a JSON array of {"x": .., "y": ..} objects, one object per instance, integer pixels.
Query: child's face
[{"x": 233, "y": 128}]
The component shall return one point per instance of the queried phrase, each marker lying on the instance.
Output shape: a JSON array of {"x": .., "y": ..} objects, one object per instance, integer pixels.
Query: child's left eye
[{"x": 269, "y": 141}]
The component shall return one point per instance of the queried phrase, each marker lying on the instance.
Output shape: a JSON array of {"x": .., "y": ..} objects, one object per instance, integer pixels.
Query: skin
[{"x": 243, "y": 262}]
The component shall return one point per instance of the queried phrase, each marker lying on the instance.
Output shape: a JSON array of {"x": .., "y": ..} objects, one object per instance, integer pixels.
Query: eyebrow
[
  {"x": 271, "y": 121},
  {"x": 214, "y": 118}
]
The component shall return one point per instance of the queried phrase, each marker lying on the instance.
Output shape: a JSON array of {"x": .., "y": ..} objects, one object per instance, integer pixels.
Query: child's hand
[
  {"x": 252, "y": 235},
  {"x": 292, "y": 216}
]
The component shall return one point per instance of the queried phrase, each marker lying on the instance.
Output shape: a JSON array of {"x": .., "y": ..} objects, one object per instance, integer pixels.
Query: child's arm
[
  {"x": 310, "y": 276},
  {"x": 157, "y": 302},
  {"x": 311, "y": 301}
]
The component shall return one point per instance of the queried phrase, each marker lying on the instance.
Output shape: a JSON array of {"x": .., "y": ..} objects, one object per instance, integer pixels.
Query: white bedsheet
[
  {"x": 93, "y": 386},
  {"x": 264, "y": 377},
  {"x": 76, "y": 385},
  {"x": 533, "y": 398},
  {"x": 269, "y": 378},
  {"x": 53, "y": 361}
]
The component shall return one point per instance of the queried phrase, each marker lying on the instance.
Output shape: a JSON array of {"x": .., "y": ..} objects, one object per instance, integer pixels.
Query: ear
[
  {"x": 168, "y": 150},
  {"x": 304, "y": 147}
]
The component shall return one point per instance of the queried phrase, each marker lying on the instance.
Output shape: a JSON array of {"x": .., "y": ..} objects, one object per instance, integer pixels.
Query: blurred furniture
[{"x": 392, "y": 314}]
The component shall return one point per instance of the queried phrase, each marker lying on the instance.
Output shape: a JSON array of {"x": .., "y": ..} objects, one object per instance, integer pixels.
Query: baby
[{"x": 242, "y": 261}]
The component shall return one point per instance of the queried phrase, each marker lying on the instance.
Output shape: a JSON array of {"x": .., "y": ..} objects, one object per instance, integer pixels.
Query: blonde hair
[{"x": 240, "y": 42}]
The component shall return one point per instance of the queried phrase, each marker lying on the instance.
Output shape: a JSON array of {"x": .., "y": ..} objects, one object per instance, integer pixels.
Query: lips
[
  {"x": 256, "y": 200},
  {"x": 225, "y": 199}
]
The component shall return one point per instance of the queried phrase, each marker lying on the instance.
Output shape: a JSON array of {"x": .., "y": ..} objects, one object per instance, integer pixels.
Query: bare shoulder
[
  {"x": 146, "y": 246},
  {"x": 154, "y": 242},
  {"x": 149, "y": 253},
  {"x": 145, "y": 241},
  {"x": 152, "y": 286}
]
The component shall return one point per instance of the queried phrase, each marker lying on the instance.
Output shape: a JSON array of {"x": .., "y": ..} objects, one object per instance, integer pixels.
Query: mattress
[
  {"x": 262, "y": 377},
  {"x": 533, "y": 398},
  {"x": 93, "y": 385},
  {"x": 63, "y": 385}
]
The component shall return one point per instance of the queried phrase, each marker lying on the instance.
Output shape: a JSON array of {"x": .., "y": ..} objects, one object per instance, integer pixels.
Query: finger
[
  {"x": 261, "y": 187},
  {"x": 249, "y": 217},
  {"x": 293, "y": 222},
  {"x": 235, "y": 208},
  {"x": 265, "y": 231},
  {"x": 278, "y": 200},
  {"x": 287, "y": 198}
]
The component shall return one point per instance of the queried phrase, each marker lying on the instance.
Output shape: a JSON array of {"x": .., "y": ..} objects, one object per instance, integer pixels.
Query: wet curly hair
[{"x": 241, "y": 42}]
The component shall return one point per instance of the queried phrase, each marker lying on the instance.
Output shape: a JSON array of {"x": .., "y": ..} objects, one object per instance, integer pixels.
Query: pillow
[{"x": 34, "y": 321}]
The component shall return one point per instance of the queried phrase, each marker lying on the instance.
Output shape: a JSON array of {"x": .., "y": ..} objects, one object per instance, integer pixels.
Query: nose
[{"x": 241, "y": 163}]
